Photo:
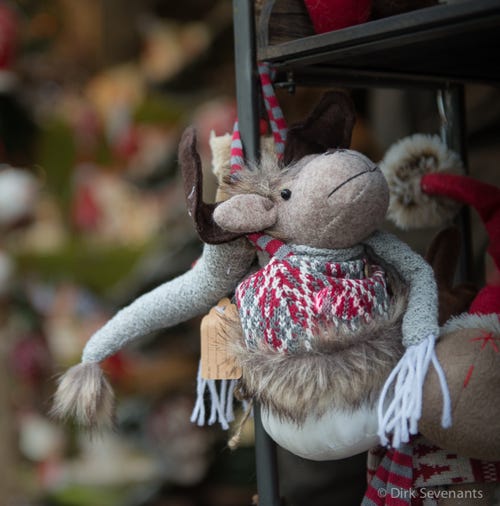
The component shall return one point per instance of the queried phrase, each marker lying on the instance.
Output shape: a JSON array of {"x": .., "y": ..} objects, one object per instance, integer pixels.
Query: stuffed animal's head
[
  {"x": 323, "y": 195},
  {"x": 332, "y": 200}
]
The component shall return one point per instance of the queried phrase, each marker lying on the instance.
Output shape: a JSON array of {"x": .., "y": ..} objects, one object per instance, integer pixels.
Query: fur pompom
[
  {"x": 220, "y": 145},
  {"x": 403, "y": 166},
  {"x": 466, "y": 321},
  {"x": 84, "y": 394}
]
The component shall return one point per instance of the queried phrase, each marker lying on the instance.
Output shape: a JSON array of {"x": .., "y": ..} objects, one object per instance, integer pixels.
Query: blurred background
[
  {"x": 93, "y": 98},
  {"x": 97, "y": 95}
]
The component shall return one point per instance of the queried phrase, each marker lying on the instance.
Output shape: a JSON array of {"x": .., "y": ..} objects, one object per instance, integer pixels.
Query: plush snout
[{"x": 246, "y": 213}]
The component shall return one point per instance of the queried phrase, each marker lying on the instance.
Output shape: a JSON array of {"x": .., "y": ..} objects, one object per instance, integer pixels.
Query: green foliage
[
  {"x": 90, "y": 496},
  {"x": 57, "y": 158},
  {"x": 97, "y": 268},
  {"x": 158, "y": 109}
]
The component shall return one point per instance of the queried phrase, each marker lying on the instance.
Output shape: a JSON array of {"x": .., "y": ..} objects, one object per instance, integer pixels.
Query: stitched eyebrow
[{"x": 351, "y": 178}]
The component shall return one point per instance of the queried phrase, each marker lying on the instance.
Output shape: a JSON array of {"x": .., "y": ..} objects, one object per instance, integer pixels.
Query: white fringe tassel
[
  {"x": 221, "y": 401},
  {"x": 400, "y": 416}
]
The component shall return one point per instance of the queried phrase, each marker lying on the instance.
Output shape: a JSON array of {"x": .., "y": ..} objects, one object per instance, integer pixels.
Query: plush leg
[{"x": 469, "y": 350}]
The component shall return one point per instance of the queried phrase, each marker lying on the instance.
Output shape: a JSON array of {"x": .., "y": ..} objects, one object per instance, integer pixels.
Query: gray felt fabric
[
  {"x": 330, "y": 206},
  {"x": 332, "y": 255},
  {"x": 421, "y": 317},
  {"x": 215, "y": 275},
  {"x": 246, "y": 213}
]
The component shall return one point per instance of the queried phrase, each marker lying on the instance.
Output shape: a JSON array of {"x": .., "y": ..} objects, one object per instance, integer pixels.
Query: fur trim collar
[{"x": 344, "y": 369}]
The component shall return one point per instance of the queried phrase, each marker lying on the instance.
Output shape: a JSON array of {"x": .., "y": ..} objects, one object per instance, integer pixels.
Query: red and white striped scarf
[{"x": 404, "y": 476}]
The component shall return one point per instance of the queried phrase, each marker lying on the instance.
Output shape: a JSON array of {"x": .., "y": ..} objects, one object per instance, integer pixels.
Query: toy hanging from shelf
[{"x": 326, "y": 203}]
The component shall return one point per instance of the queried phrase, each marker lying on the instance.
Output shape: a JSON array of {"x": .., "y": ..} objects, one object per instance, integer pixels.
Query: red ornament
[
  {"x": 86, "y": 211},
  {"x": 328, "y": 15},
  {"x": 8, "y": 36}
]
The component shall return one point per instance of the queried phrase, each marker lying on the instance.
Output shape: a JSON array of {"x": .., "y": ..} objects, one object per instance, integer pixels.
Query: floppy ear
[
  {"x": 244, "y": 214},
  {"x": 328, "y": 126},
  {"x": 201, "y": 212}
]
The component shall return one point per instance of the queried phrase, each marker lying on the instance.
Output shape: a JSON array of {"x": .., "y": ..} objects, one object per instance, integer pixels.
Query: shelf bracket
[{"x": 451, "y": 108}]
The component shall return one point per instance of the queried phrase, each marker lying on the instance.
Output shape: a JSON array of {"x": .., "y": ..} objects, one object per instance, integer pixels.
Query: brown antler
[
  {"x": 328, "y": 126},
  {"x": 192, "y": 176}
]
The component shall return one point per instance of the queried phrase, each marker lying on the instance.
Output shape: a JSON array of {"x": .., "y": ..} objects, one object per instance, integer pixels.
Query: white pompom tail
[
  {"x": 399, "y": 416},
  {"x": 85, "y": 395}
]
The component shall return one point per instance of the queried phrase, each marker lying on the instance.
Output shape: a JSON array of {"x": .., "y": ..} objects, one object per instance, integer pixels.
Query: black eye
[{"x": 286, "y": 194}]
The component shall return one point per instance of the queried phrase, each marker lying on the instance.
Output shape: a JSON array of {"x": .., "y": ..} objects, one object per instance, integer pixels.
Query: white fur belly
[{"x": 336, "y": 435}]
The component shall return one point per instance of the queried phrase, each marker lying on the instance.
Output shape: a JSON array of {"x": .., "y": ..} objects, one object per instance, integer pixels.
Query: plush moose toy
[{"x": 334, "y": 317}]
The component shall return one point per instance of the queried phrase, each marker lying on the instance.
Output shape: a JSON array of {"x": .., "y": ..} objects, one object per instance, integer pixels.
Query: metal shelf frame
[
  {"x": 247, "y": 96},
  {"x": 456, "y": 43}
]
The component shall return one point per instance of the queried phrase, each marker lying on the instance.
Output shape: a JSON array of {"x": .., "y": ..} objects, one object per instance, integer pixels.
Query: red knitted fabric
[
  {"x": 391, "y": 481},
  {"x": 404, "y": 476},
  {"x": 283, "y": 303}
]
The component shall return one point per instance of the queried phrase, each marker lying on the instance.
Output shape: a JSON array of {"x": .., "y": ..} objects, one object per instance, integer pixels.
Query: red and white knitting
[
  {"x": 302, "y": 289},
  {"x": 403, "y": 476}
]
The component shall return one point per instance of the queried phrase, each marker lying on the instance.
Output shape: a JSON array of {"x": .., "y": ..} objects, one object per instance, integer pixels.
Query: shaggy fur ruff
[
  {"x": 85, "y": 395},
  {"x": 344, "y": 369},
  {"x": 403, "y": 166}
]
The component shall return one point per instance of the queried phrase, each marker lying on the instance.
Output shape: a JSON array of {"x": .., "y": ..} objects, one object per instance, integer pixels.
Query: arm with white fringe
[
  {"x": 83, "y": 391},
  {"x": 400, "y": 403}
]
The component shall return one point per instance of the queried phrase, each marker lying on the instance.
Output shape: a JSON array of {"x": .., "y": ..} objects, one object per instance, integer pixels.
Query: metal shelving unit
[{"x": 452, "y": 43}]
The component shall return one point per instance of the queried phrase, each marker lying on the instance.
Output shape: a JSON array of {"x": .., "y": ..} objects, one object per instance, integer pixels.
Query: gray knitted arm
[
  {"x": 421, "y": 317},
  {"x": 214, "y": 276}
]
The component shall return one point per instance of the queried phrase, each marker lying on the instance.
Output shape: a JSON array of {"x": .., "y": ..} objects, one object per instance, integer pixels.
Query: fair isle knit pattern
[
  {"x": 397, "y": 477},
  {"x": 284, "y": 302}
]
